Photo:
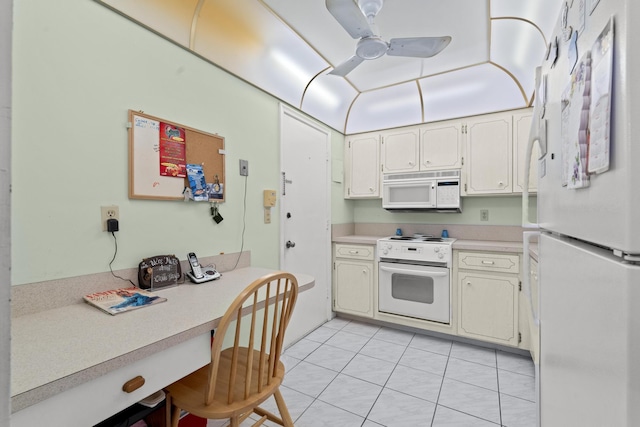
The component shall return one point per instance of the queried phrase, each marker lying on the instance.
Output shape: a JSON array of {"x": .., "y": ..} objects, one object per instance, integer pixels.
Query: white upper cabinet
[
  {"x": 490, "y": 149},
  {"x": 441, "y": 145},
  {"x": 487, "y": 168},
  {"x": 362, "y": 166},
  {"x": 521, "y": 129},
  {"x": 435, "y": 146},
  {"x": 400, "y": 150}
]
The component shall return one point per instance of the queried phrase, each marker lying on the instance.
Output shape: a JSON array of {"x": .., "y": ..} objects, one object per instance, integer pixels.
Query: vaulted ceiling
[{"x": 288, "y": 47}]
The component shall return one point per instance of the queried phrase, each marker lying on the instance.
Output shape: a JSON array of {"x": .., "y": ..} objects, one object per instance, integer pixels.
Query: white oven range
[{"x": 414, "y": 277}]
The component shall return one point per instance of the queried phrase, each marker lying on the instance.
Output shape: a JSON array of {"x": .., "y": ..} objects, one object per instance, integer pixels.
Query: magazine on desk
[{"x": 125, "y": 299}]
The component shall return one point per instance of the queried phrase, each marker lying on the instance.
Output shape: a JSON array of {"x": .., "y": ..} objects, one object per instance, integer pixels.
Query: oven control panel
[{"x": 415, "y": 251}]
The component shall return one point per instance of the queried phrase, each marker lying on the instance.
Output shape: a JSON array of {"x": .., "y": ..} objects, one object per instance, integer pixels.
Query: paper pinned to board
[
  {"x": 574, "y": 130},
  {"x": 600, "y": 108}
]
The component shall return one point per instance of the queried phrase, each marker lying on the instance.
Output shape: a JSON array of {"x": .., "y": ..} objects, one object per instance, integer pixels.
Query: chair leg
[
  {"x": 234, "y": 422},
  {"x": 172, "y": 412},
  {"x": 282, "y": 407}
]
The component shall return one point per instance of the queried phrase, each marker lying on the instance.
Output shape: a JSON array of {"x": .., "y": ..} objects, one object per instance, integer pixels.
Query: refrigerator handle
[
  {"x": 538, "y": 133},
  {"x": 526, "y": 223},
  {"x": 526, "y": 277}
]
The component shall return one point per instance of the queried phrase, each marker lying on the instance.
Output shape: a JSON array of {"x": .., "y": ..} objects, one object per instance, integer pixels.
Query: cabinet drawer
[
  {"x": 93, "y": 401},
  {"x": 355, "y": 251},
  {"x": 504, "y": 263}
]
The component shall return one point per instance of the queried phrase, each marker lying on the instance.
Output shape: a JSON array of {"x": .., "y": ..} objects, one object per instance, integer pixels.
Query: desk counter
[{"x": 54, "y": 351}]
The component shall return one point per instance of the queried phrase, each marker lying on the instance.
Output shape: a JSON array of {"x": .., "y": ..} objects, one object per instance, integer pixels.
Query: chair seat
[{"x": 187, "y": 392}]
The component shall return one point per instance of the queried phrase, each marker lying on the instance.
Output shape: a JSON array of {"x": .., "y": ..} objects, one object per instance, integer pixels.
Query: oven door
[{"x": 415, "y": 291}]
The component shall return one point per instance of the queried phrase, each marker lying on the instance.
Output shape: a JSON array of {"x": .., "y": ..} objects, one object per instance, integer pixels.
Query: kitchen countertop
[
  {"x": 58, "y": 349},
  {"x": 469, "y": 245}
]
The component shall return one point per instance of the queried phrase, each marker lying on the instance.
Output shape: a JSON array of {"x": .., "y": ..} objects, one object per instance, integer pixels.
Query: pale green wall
[
  {"x": 78, "y": 68},
  {"x": 502, "y": 211}
]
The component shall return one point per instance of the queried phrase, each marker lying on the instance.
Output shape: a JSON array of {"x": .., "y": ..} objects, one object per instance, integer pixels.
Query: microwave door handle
[{"x": 412, "y": 272}]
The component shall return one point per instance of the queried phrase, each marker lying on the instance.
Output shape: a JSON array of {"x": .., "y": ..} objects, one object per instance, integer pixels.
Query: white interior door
[{"x": 305, "y": 216}]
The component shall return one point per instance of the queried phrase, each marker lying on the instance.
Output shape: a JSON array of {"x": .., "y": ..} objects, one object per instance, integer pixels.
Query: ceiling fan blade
[
  {"x": 417, "y": 47},
  {"x": 347, "y": 66},
  {"x": 349, "y": 15}
]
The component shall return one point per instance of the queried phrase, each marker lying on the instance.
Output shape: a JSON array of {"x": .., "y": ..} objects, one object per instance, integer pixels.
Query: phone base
[{"x": 209, "y": 275}]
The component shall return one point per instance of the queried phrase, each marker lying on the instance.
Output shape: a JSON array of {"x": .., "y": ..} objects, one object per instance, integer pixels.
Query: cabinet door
[
  {"x": 362, "y": 167},
  {"x": 400, "y": 151},
  {"x": 521, "y": 129},
  {"x": 440, "y": 146},
  {"x": 488, "y": 155},
  {"x": 488, "y": 307},
  {"x": 353, "y": 287}
]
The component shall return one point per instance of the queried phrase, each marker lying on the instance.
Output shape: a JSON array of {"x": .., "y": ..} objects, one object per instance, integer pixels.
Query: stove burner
[{"x": 400, "y": 238}]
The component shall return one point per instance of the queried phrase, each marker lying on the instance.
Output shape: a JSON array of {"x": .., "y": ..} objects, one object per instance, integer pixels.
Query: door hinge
[
  {"x": 462, "y": 161},
  {"x": 519, "y": 337},
  {"x": 348, "y": 191},
  {"x": 520, "y": 286},
  {"x": 349, "y": 144},
  {"x": 465, "y": 188}
]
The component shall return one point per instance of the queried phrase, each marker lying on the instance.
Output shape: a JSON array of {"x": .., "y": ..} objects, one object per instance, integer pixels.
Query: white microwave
[{"x": 437, "y": 191}]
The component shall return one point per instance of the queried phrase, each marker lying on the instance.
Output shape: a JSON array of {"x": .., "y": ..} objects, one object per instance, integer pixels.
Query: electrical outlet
[
  {"x": 484, "y": 214},
  {"x": 244, "y": 167},
  {"x": 109, "y": 212}
]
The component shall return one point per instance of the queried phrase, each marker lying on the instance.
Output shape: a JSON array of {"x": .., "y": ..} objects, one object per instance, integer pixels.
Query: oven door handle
[{"x": 414, "y": 272}]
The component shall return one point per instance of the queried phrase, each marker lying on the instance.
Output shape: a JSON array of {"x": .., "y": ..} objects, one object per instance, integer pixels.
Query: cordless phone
[
  {"x": 195, "y": 266},
  {"x": 196, "y": 275}
]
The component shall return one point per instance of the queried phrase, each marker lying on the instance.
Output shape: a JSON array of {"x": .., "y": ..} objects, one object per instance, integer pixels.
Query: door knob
[
  {"x": 288, "y": 214},
  {"x": 290, "y": 244}
]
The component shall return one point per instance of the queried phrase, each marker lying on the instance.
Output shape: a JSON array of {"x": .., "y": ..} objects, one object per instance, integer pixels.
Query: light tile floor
[{"x": 348, "y": 373}]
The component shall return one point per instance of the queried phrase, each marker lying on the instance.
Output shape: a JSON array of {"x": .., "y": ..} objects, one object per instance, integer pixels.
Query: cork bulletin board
[{"x": 154, "y": 172}]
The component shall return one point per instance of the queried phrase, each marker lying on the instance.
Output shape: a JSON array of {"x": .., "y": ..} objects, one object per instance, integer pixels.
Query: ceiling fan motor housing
[
  {"x": 371, "y": 47},
  {"x": 370, "y": 8}
]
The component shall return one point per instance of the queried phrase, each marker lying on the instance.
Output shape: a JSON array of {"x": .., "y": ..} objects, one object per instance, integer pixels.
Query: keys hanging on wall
[{"x": 215, "y": 214}]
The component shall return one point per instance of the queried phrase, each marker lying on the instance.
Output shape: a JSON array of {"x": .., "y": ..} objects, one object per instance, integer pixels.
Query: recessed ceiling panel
[
  {"x": 328, "y": 100},
  {"x": 542, "y": 13},
  {"x": 476, "y": 90},
  {"x": 466, "y": 21},
  {"x": 518, "y": 47},
  {"x": 253, "y": 44},
  {"x": 385, "y": 108},
  {"x": 171, "y": 18},
  {"x": 287, "y": 47}
]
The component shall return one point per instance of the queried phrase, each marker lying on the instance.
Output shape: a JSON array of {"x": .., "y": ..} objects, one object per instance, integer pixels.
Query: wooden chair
[{"x": 249, "y": 371}]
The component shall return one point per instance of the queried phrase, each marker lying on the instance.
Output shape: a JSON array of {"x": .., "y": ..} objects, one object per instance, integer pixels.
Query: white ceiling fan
[{"x": 357, "y": 20}]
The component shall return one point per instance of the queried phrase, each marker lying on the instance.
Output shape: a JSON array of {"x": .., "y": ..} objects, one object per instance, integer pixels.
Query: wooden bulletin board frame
[{"x": 145, "y": 181}]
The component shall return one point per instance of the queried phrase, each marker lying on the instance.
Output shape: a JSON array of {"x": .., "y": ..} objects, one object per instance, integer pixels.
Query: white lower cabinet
[
  {"x": 354, "y": 276},
  {"x": 487, "y": 300},
  {"x": 488, "y": 297}
]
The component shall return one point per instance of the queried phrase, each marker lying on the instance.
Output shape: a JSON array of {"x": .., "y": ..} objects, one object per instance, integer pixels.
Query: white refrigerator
[{"x": 587, "y": 111}]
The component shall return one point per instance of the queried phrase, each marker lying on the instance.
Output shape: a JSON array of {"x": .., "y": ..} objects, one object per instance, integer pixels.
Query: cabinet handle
[
  {"x": 411, "y": 163},
  {"x": 371, "y": 189},
  {"x": 353, "y": 252},
  {"x": 364, "y": 271},
  {"x": 133, "y": 384},
  {"x": 468, "y": 283},
  {"x": 501, "y": 184},
  {"x": 488, "y": 262}
]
